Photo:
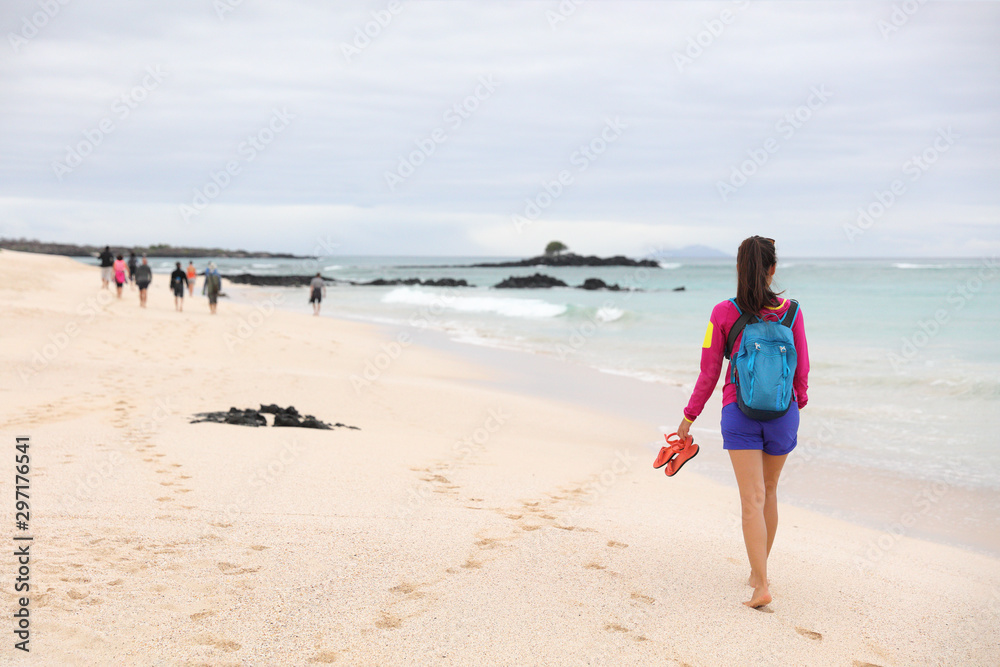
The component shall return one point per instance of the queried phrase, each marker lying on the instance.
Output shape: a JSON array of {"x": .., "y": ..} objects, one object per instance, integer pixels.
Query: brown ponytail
[{"x": 754, "y": 260}]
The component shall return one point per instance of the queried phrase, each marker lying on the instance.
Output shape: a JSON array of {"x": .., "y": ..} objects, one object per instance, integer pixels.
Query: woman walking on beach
[
  {"x": 121, "y": 274},
  {"x": 758, "y": 445},
  {"x": 192, "y": 276}
]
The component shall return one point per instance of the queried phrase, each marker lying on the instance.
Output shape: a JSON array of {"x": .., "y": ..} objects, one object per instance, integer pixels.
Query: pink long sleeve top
[{"x": 713, "y": 353}]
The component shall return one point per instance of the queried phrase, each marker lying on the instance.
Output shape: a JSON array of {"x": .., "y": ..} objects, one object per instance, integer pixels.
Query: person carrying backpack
[
  {"x": 766, "y": 386},
  {"x": 212, "y": 286}
]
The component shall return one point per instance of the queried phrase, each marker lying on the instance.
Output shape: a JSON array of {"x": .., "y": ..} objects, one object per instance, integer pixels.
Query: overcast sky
[{"x": 667, "y": 123}]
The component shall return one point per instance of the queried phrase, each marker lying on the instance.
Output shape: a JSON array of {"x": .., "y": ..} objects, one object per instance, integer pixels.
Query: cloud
[{"x": 555, "y": 85}]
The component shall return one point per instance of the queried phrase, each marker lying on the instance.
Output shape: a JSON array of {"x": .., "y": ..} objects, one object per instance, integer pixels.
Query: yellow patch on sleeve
[{"x": 708, "y": 336}]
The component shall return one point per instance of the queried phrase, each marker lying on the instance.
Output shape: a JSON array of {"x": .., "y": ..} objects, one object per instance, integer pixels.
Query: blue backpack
[{"x": 764, "y": 365}]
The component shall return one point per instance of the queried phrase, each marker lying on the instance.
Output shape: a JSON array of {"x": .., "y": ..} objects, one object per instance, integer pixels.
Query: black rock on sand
[{"x": 282, "y": 417}]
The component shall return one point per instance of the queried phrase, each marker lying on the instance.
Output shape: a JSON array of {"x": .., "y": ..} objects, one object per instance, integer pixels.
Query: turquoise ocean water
[{"x": 905, "y": 363}]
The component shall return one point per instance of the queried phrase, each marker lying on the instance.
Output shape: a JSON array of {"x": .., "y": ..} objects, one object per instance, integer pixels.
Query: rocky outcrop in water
[
  {"x": 439, "y": 282},
  {"x": 288, "y": 417},
  {"x": 572, "y": 259},
  {"x": 597, "y": 283},
  {"x": 303, "y": 281},
  {"x": 271, "y": 281},
  {"x": 536, "y": 281}
]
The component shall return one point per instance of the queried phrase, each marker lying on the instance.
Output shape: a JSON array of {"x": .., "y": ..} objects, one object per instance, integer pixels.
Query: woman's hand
[{"x": 682, "y": 430}]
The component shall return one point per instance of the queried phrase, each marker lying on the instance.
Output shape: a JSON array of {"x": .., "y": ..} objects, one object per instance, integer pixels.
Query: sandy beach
[{"x": 461, "y": 525}]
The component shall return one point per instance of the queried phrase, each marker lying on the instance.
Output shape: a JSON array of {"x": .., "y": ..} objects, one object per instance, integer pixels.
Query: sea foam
[{"x": 506, "y": 306}]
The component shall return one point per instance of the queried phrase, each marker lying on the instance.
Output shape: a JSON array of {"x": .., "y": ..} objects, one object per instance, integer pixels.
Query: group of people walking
[{"x": 141, "y": 275}]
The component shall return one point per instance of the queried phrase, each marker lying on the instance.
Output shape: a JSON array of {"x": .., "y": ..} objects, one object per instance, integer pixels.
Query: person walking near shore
[
  {"x": 143, "y": 277},
  {"x": 132, "y": 262},
  {"x": 121, "y": 274},
  {"x": 178, "y": 281},
  {"x": 317, "y": 292},
  {"x": 212, "y": 286},
  {"x": 759, "y": 423},
  {"x": 192, "y": 276},
  {"x": 107, "y": 262}
]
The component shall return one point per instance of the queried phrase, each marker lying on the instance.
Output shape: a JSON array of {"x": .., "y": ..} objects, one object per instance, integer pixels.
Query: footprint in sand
[
  {"x": 197, "y": 616},
  {"x": 644, "y": 598},
  {"x": 595, "y": 566},
  {"x": 325, "y": 657},
  {"x": 229, "y": 568},
  {"x": 209, "y": 640},
  {"x": 404, "y": 588},
  {"x": 809, "y": 634},
  {"x": 388, "y": 621},
  {"x": 614, "y": 627},
  {"x": 258, "y": 547},
  {"x": 489, "y": 543},
  {"x": 859, "y": 663},
  {"x": 617, "y": 545},
  {"x": 74, "y": 594}
]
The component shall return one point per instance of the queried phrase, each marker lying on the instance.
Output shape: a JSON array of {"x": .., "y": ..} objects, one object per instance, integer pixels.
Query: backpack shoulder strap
[
  {"x": 793, "y": 312},
  {"x": 745, "y": 319}
]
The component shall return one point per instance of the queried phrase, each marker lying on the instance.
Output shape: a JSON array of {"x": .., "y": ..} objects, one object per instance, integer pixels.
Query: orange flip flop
[
  {"x": 675, "y": 454},
  {"x": 666, "y": 453}
]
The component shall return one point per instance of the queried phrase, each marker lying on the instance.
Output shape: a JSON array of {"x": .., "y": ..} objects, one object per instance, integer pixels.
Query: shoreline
[
  {"x": 890, "y": 502},
  {"x": 464, "y": 523}
]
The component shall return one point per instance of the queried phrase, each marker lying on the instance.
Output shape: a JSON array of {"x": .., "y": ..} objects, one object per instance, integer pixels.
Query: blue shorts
[{"x": 775, "y": 437}]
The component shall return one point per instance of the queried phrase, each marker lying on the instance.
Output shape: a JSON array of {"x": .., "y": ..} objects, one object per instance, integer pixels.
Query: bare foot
[
  {"x": 753, "y": 580},
  {"x": 761, "y": 596}
]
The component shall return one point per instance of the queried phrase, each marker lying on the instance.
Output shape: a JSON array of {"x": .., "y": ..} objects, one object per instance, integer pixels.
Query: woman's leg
[
  {"x": 748, "y": 464},
  {"x": 772, "y": 470}
]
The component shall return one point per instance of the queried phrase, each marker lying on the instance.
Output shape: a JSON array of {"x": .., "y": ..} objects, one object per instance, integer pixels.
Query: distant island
[
  {"x": 156, "y": 250},
  {"x": 554, "y": 259},
  {"x": 572, "y": 259}
]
